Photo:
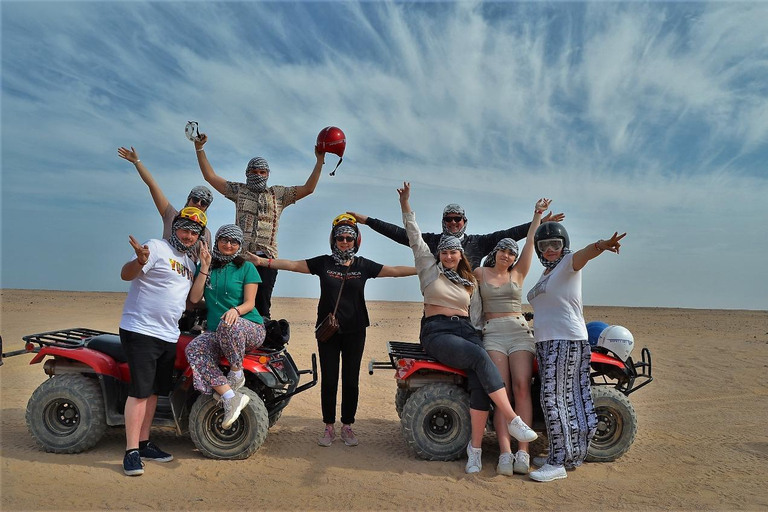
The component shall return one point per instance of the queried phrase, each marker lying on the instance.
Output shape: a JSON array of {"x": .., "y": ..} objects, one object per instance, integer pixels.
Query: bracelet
[
  {"x": 269, "y": 263},
  {"x": 597, "y": 247},
  {"x": 201, "y": 272},
  {"x": 140, "y": 263},
  {"x": 238, "y": 311},
  {"x": 137, "y": 161},
  {"x": 199, "y": 150},
  {"x": 539, "y": 212}
]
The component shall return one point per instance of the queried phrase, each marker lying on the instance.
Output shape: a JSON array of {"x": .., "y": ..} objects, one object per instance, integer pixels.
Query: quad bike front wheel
[
  {"x": 241, "y": 440},
  {"x": 616, "y": 425},
  {"x": 436, "y": 423},
  {"x": 65, "y": 414}
]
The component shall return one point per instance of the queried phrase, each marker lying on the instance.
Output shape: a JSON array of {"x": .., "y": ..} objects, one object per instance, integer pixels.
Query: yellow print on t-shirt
[{"x": 181, "y": 269}]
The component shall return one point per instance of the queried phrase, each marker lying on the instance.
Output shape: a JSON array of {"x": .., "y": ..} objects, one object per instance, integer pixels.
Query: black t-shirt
[{"x": 352, "y": 313}]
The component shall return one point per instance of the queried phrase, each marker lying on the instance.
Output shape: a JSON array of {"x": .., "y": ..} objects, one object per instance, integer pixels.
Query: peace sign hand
[
  {"x": 142, "y": 252},
  {"x": 611, "y": 244}
]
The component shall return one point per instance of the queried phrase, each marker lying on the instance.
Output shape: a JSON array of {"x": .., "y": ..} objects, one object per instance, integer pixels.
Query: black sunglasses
[
  {"x": 345, "y": 239},
  {"x": 453, "y": 219},
  {"x": 201, "y": 202}
]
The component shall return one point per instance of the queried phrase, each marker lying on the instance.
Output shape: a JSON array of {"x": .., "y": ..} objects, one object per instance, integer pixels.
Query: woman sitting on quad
[
  {"x": 341, "y": 266},
  {"x": 563, "y": 349},
  {"x": 228, "y": 282},
  {"x": 507, "y": 336},
  {"x": 447, "y": 334}
]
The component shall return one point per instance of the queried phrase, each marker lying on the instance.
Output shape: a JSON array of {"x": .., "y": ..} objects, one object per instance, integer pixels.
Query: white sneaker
[
  {"x": 474, "y": 460},
  {"x": 232, "y": 408},
  {"x": 520, "y": 431},
  {"x": 506, "y": 465},
  {"x": 547, "y": 473},
  {"x": 522, "y": 462},
  {"x": 540, "y": 461}
]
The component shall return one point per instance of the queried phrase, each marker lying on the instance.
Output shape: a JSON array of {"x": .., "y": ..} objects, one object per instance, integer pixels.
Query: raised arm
[
  {"x": 198, "y": 287},
  {"x": 526, "y": 255},
  {"x": 161, "y": 202},
  {"x": 277, "y": 263},
  {"x": 581, "y": 257},
  {"x": 132, "y": 269},
  {"x": 216, "y": 181},
  {"x": 398, "y": 271},
  {"x": 309, "y": 187}
]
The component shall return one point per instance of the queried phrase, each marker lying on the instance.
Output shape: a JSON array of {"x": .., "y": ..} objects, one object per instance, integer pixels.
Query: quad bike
[
  {"x": 433, "y": 402},
  {"x": 88, "y": 387}
]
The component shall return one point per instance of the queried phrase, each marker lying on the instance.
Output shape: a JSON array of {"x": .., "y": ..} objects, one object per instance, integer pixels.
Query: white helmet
[{"x": 617, "y": 340}]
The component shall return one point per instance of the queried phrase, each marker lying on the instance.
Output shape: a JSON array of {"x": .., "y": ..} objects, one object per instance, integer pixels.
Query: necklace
[{"x": 218, "y": 271}]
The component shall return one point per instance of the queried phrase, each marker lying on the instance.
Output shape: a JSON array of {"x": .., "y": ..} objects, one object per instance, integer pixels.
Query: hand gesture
[
  {"x": 200, "y": 142},
  {"x": 543, "y": 204},
  {"x": 320, "y": 155},
  {"x": 142, "y": 252},
  {"x": 611, "y": 244},
  {"x": 553, "y": 217},
  {"x": 405, "y": 192},
  {"x": 205, "y": 256},
  {"x": 230, "y": 316},
  {"x": 129, "y": 154},
  {"x": 359, "y": 217},
  {"x": 256, "y": 260}
]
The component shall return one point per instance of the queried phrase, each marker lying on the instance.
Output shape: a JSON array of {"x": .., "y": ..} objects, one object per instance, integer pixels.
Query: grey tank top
[{"x": 501, "y": 299}]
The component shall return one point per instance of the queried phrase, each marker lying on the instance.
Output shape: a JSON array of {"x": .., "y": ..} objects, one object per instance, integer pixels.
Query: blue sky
[{"x": 650, "y": 118}]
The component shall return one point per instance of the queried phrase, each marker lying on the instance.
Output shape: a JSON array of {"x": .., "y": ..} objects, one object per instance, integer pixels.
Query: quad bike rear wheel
[
  {"x": 401, "y": 397},
  {"x": 65, "y": 414},
  {"x": 239, "y": 441},
  {"x": 436, "y": 423},
  {"x": 616, "y": 425}
]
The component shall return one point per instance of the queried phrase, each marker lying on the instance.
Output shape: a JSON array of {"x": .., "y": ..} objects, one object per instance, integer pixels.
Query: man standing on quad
[
  {"x": 161, "y": 275},
  {"x": 475, "y": 247},
  {"x": 258, "y": 209}
]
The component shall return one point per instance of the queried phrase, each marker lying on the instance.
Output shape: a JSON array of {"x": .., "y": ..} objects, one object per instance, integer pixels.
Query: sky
[{"x": 649, "y": 118}]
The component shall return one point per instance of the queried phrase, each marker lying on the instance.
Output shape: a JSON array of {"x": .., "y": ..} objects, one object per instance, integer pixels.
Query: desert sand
[{"x": 702, "y": 441}]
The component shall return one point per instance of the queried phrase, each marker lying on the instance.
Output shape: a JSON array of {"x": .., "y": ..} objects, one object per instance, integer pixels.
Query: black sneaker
[
  {"x": 132, "y": 465},
  {"x": 153, "y": 452}
]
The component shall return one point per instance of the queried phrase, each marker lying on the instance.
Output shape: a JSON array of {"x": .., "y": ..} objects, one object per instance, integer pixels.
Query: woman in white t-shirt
[{"x": 562, "y": 349}]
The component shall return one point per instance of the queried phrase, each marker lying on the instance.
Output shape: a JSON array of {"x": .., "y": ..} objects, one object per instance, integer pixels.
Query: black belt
[{"x": 455, "y": 318}]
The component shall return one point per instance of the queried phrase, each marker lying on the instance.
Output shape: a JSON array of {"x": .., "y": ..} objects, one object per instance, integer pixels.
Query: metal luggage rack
[
  {"x": 400, "y": 350},
  {"x": 63, "y": 338}
]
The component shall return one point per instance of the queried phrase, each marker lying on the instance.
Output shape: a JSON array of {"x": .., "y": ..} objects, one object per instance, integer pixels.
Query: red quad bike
[
  {"x": 433, "y": 402},
  {"x": 88, "y": 387}
]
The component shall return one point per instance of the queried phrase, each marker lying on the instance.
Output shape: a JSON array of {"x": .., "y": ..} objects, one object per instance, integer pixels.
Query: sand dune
[{"x": 702, "y": 441}]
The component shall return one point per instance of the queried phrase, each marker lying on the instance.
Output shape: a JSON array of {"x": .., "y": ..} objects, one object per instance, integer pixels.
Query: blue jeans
[{"x": 454, "y": 342}]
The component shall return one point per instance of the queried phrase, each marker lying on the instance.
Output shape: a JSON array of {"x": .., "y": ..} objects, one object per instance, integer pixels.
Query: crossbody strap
[{"x": 343, "y": 280}]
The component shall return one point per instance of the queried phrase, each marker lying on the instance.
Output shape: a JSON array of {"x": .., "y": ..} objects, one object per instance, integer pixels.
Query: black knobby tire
[
  {"x": 616, "y": 425},
  {"x": 241, "y": 440},
  {"x": 436, "y": 423},
  {"x": 401, "y": 397},
  {"x": 65, "y": 414}
]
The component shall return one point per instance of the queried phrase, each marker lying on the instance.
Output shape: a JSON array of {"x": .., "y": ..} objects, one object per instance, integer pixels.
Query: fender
[
  {"x": 597, "y": 357},
  {"x": 101, "y": 363},
  {"x": 407, "y": 367}
]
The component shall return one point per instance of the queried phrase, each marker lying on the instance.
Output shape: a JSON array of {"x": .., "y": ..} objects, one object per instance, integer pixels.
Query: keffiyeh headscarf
[
  {"x": 454, "y": 209},
  {"x": 552, "y": 264},
  {"x": 176, "y": 242},
  {"x": 202, "y": 193},
  {"x": 256, "y": 182},
  {"x": 232, "y": 231},
  {"x": 451, "y": 243},
  {"x": 339, "y": 256},
  {"x": 504, "y": 243}
]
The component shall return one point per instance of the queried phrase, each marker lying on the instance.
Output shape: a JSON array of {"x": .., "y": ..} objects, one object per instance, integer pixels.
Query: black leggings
[
  {"x": 346, "y": 348},
  {"x": 264, "y": 291},
  {"x": 455, "y": 342}
]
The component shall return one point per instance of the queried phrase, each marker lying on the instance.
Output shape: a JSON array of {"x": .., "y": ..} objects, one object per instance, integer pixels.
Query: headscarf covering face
[
  {"x": 232, "y": 231},
  {"x": 175, "y": 241},
  {"x": 339, "y": 256},
  {"x": 201, "y": 193},
  {"x": 504, "y": 243},
  {"x": 552, "y": 264},
  {"x": 451, "y": 243},
  {"x": 256, "y": 182},
  {"x": 454, "y": 209}
]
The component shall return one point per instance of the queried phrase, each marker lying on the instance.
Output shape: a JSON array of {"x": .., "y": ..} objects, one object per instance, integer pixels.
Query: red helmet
[{"x": 332, "y": 140}]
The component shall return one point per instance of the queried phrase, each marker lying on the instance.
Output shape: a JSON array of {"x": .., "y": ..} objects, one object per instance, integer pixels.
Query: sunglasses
[
  {"x": 230, "y": 241},
  {"x": 197, "y": 200},
  {"x": 453, "y": 219},
  {"x": 554, "y": 243},
  {"x": 345, "y": 239}
]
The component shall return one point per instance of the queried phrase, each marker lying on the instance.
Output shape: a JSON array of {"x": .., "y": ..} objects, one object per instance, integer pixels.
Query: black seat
[{"x": 108, "y": 344}]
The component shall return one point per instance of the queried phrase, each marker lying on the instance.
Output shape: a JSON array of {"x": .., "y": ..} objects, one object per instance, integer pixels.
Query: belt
[{"x": 455, "y": 318}]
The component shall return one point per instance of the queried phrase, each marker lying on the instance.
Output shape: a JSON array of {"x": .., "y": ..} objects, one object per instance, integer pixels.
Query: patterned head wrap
[
  {"x": 232, "y": 231},
  {"x": 175, "y": 241},
  {"x": 454, "y": 209},
  {"x": 202, "y": 193},
  {"x": 504, "y": 243},
  {"x": 256, "y": 182},
  {"x": 451, "y": 243},
  {"x": 552, "y": 264},
  {"x": 339, "y": 256}
]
